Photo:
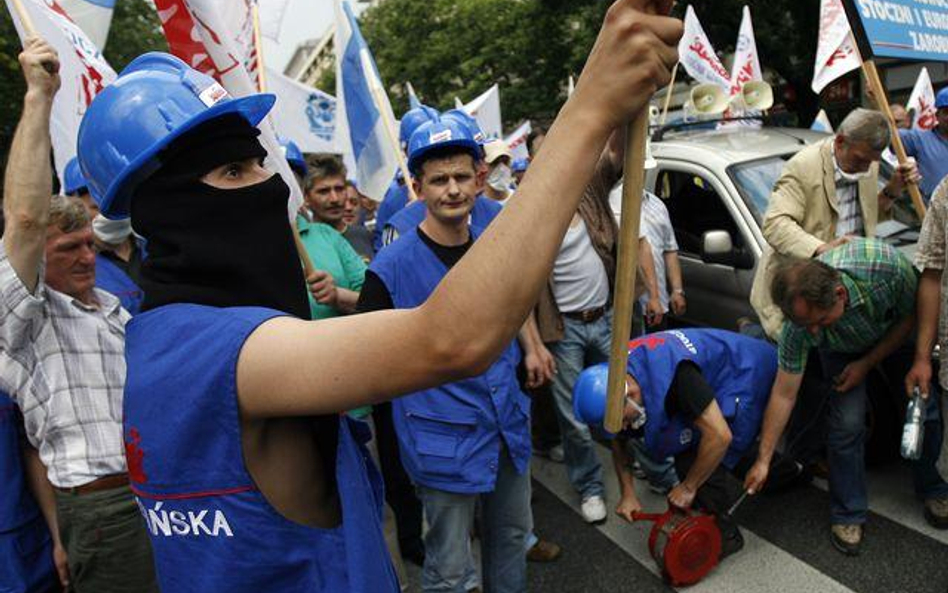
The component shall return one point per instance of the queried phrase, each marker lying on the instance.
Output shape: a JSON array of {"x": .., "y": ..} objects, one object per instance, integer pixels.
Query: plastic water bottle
[{"x": 913, "y": 434}]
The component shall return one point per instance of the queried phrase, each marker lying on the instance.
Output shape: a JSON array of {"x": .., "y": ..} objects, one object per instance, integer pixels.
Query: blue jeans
[
  {"x": 660, "y": 474},
  {"x": 583, "y": 344},
  {"x": 845, "y": 444},
  {"x": 506, "y": 522}
]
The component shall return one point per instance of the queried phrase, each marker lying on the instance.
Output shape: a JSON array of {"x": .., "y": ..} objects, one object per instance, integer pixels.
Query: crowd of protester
[{"x": 86, "y": 486}]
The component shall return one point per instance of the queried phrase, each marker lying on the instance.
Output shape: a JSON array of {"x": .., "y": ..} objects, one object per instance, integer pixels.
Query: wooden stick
[
  {"x": 308, "y": 267},
  {"x": 25, "y": 19},
  {"x": 626, "y": 268},
  {"x": 375, "y": 87},
  {"x": 668, "y": 94},
  {"x": 882, "y": 100}
]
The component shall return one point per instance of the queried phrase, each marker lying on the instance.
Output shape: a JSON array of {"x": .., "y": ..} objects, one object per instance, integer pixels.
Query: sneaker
[
  {"x": 556, "y": 454},
  {"x": 594, "y": 509},
  {"x": 846, "y": 538},
  {"x": 936, "y": 512},
  {"x": 544, "y": 551}
]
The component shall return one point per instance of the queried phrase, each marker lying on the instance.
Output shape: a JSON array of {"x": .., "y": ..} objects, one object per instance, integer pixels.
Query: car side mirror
[{"x": 717, "y": 247}]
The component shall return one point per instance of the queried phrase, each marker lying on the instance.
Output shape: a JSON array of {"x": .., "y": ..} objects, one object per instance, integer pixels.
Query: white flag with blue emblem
[
  {"x": 364, "y": 119},
  {"x": 303, "y": 114}
]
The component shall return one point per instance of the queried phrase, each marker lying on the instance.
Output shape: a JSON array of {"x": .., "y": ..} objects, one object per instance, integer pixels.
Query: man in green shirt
[
  {"x": 340, "y": 271},
  {"x": 855, "y": 305}
]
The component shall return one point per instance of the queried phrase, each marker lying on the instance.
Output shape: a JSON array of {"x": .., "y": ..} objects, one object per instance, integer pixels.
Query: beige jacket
[{"x": 802, "y": 216}]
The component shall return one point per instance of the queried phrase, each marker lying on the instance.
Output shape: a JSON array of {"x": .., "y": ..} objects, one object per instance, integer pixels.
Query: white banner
[
  {"x": 83, "y": 70},
  {"x": 271, "y": 13},
  {"x": 836, "y": 53},
  {"x": 486, "y": 110},
  {"x": 697, "y": 54},
  {"x": 217, "y": 38},
  {"x": 517, "y": 141},
  {"x": 922, "y": 102},
  {"x": 746, "y": 61},
  {"x": 93, "y": 16},
  {"x": 303, "y": 114}
]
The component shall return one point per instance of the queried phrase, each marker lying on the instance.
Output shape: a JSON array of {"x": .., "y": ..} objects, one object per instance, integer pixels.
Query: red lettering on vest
[
  {"x": 650, "y": 342},
  {"x": 135, "y": 457}
]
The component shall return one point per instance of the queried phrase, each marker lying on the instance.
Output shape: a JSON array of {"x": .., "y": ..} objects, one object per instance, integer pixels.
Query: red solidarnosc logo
[
  {"x": 135, "y": 457},
  {"x": 650, "y": 342}
]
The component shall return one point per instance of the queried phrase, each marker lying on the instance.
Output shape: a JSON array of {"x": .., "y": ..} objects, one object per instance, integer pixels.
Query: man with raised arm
[{"x": 248, "y": 476}]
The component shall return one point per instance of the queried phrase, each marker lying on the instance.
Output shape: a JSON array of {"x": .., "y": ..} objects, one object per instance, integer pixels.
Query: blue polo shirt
[{"x": 930, "y": 150}]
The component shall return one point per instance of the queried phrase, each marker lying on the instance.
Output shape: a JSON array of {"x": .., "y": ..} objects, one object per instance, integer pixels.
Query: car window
[
  {"x": 695, "y": 208},
  {"x": 755, "y": 181}
]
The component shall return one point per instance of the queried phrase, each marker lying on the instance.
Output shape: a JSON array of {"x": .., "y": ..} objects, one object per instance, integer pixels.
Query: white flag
[
  {"x": 303, "y": 114},
  {"x": 217, "y": 39},
  {"x": 365, "y": 124},
  {"x": 922, "y": 102},
  {"x": 93, "y": 16},
  {"x": 746, "y": 61},
  {"x": 836, "y": 53},
  {"x": 517, "y": 141},
  {"x": 821, "y": 123},
  {"x": 697, "y": 55},
  {"x": 83, "y": 70},
  {"x": 486, "y": 110},
  {"x": 271, "y": 13}
]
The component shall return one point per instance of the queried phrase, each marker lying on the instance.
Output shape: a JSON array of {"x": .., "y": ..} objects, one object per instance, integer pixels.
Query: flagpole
[
  {"x": 668, "y": 94},
  {"x": 626, "y": 266},
  {"x": 375, "y": 88},
  {"x": 308, "y": 266},
  {"x": 27, "y": 22},
  {"x": 882, "y": 100}
]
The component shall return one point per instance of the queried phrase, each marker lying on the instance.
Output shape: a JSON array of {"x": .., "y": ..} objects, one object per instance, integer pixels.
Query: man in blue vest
[
  {"x": 697, "y": 395},
  {"x": 396, "y": 197},
  {"x": 247, "y": 475},
  {"x": 466, "y": 442}
]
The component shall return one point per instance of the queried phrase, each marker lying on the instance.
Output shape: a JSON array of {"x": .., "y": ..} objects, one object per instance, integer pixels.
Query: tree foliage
[{"x": 449, "y": 48}]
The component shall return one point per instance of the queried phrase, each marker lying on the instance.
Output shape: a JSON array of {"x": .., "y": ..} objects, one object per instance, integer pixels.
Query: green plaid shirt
[{"x": 880, "y": 283}]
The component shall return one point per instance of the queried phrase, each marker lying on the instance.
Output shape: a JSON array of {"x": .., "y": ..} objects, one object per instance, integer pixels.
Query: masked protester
[
  {"x": 499, "y": 182},
  {"x": 248, "y": 477}
]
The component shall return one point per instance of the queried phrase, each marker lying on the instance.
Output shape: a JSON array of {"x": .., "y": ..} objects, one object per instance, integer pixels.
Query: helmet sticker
[
  {"x": 442, "y": 136},
  {"x": 213, "y": 94}
]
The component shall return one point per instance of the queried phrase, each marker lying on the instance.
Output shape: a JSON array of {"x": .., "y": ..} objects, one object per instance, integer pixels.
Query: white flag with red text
[
  {"x": 922, "y": 102},
  {"x": 517, "y": 141},
  {"x": 83, "y": 70},
  {"x": 836, "y": 53},
  {"x": 746, "y": 61},
  {"x": 697, "y": 55},
  {"x": 217, "y": 39},
  {"x": 93, "y": 16}
]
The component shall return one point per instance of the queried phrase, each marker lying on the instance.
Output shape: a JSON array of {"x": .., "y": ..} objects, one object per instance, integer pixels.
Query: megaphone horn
[
  {"x": 708, "y": 99},
  {"x": 755, "y": 96}
]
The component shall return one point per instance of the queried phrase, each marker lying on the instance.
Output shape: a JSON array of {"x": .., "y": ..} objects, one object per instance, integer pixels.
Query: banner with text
[{"x": 902, "y": 29}]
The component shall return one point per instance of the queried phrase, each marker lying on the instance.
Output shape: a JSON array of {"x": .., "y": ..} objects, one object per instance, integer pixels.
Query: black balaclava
[{"x": 217, "y": 247}]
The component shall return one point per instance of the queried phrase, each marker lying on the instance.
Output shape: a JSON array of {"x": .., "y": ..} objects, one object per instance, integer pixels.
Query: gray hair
[
  {"x": 68, "y": 214},
  {"x": 865, "y": 125},
  {"x": 807, "y": 279}
]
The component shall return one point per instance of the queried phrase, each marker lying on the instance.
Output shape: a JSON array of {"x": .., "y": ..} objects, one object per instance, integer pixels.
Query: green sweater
[{"x": 330, "y": 252}]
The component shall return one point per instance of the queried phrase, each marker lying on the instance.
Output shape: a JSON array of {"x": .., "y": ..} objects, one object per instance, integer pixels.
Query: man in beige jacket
[{"x": 827, "y": 193}]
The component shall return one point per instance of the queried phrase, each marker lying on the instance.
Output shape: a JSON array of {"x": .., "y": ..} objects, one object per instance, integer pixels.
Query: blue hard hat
[
  {"x": 941, "y": 99},
  {"x": 519, "y": 165},
  {"x": 412, "y": 119},
  {"x": 589, "y": 395},
  {"x": 293, "y": 155},
  {"x": 465, "y": 118},
  {"x": 439, "y": 133},
  {"x": 155, "y": 100},
  {"x": 73, "y": 181}
]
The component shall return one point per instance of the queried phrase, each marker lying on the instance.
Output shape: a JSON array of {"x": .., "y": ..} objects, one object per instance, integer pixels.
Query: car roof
[{"x": 733, "y": 145}]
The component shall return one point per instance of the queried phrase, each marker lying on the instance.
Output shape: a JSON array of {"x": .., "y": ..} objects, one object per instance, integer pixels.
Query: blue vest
[
  {"x": 26, "y": 553},
  {"x": 451, "y": 435},
  {"x": 211, "y": 529},
  {"x": 403, "y": 222},
  {"x": 396, "y": 197},
  {"x": 110, "y": 278},
  {"x": 741, "y": 371}
]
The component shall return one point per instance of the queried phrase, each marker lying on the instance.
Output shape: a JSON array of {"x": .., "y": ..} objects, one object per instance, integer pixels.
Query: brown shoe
[
  {"x": 544, "y": 551},
  {"x": 847, "y": 538},
  {"x": 936, "y": 512}
]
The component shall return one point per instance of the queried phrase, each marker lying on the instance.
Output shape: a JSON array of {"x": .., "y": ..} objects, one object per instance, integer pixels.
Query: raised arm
[
  {"x": 28, "y": 183},
  {"x": 482, "y": 302}
]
